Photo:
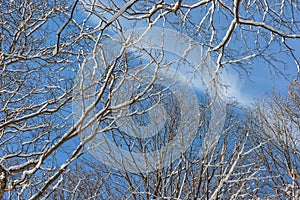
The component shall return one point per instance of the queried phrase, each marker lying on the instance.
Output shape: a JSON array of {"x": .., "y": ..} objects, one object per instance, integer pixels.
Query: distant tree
[
  {"x": 225, "y": 172},
  {"x": 279, "y": 127}
]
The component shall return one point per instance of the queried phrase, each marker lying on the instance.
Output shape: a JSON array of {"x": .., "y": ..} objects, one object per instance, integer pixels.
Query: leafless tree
[
  {"x": 279, "y": 126},
  {"x": 44, "y": 46},
  {"x": 39, "y": 50},
  {"x": 226, "y": 172}
]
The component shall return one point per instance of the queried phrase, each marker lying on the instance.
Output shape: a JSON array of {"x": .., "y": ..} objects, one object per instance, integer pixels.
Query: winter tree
[{"x": 84, "y": 86}]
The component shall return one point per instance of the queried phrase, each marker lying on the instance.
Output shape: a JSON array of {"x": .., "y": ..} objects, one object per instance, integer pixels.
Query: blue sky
[
  {"x": 261, "y": 80},
  {"x": 260, "y": 84}
]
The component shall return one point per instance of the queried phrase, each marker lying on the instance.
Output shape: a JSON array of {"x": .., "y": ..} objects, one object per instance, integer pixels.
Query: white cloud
[{"x": 235, "y": 89}]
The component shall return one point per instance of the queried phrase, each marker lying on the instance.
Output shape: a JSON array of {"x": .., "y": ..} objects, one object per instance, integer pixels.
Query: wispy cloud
[
  {"x": 261, "y": 83},
  {"x": 235, "y": 87}
]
